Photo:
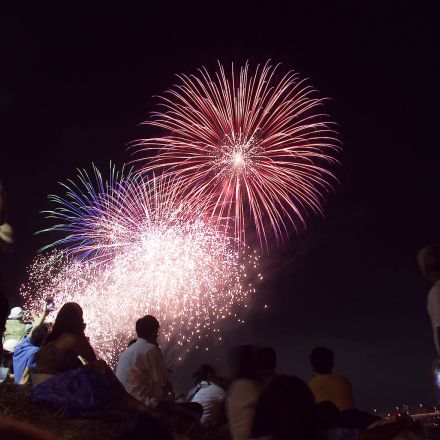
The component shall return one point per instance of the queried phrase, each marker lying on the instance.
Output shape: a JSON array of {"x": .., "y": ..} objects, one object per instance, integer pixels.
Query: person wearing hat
[{"x": 15, "y": 329}]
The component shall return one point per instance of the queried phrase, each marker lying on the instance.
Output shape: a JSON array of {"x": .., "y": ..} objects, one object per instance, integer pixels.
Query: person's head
[
  {"x": 205, "y": 372},
  {"x": 38, "y": 335},
  {"x": 147, "y": 328},
  {"x": 16, "y": 313},
  {"x": 429, "y": 262},
  {"x": 69, "y": 320},
  {"x": 286, "y": 410},
  {"x": 242, "y": 362},
  {"x": 266, "y": 359},
  {"x": 322, "y": 360}
]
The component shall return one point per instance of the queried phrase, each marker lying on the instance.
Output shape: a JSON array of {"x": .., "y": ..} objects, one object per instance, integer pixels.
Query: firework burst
[
  {"x": 246, "y": 144},
  {"x": 140, "y": 253}
]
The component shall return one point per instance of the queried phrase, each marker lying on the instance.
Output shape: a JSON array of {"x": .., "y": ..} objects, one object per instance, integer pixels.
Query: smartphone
[{"x": 50, "y": 305}]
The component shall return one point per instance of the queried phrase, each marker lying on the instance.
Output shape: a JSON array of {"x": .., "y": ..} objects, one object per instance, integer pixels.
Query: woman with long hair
[
  {"x": 67, "y": 344},
  {"x": 71, "y": 378}
]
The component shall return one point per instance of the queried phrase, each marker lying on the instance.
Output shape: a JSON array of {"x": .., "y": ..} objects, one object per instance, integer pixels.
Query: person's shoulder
[
  {"x": 73, "y": 337},
  {"x": 214, "y": 388},
  {"x": 339, "y": 378},
  {"x": 244, "y": 386},
  {"x": 434, "y": 290},
  {"x": 313, "y": 380},
  {"x": 24, "y": 342},
  {"x": 320, "y": 379}
]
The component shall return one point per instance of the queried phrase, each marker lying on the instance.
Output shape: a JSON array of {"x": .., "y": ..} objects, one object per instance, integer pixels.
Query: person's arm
[
  {"x": 157, "y": 372},
  {"x": 85, "y": 350},
  {"x": 26, "y": 376},
  {"x": 40, "y": 320}
]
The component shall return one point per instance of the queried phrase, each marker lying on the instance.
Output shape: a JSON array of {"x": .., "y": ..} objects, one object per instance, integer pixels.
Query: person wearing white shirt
[
  {"x": 208, "y": 394},
  {"x": 141, "y": 367}
]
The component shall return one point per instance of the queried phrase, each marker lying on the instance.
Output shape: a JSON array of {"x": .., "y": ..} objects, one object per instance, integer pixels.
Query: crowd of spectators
[{"x": 256, "y": 403}]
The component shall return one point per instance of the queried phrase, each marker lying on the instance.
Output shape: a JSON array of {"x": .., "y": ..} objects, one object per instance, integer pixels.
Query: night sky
[{"x": 75, "y": 84}]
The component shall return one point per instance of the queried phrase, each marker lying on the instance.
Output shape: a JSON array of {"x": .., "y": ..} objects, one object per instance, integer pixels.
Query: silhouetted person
[
  {"x": 208, "y": 394},
  {"x": 327, "y": 385},
  {"x": 65, "y": 343},
  {"x": 243, "y": 392},
  {"x": 266, "y": 360},
  {"x": 141, "y": 367},
  {"x": 286, "y": 411}
]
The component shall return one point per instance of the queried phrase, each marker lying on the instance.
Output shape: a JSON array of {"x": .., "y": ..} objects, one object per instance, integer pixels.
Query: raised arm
[{"x": 40, "y": 320}]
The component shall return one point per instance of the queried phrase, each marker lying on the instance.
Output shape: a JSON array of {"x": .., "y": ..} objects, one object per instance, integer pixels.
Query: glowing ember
[{"x": 146, "y": 255}]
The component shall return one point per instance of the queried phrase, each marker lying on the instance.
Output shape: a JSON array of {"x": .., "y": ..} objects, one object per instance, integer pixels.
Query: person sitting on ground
[
  {"x": 141, "y": 367},
  {"x": 243, "y": 392},
  {"x": 25, "y": 352},
  {"x": 65, "y": 343},
  {"x": 73, "y": 379},
  {"x": 285, "y": 411},
  {"x": 266, "y": 359},
  {"x": 208, "y": 394},
  {"x": 327, "y": 385},
  {"x": 15, "y": 329}
]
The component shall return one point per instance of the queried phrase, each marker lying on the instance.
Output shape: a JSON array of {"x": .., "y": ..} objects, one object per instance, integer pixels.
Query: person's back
[
  {"x": 285, "y": 411},
  {"x": 62, "y": 354},
  {"x": 327, "y": 386},
  {"x": 334, "y": 388},
  {"x": 141, "y": 367},
  {"x": 65, "y": 344},
  {"x": 15, "y": 329},
  {"x": 208, "y": 394},
  {"x": 243, "y": 393}
]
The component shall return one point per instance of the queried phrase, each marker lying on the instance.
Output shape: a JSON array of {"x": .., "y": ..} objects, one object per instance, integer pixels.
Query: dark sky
[{"x": 76, "y": 83}]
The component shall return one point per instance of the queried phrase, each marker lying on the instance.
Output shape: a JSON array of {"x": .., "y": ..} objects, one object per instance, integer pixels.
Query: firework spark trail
[
  {"x": 246, "y": 143},
  {"x": 142, "y": 252}
]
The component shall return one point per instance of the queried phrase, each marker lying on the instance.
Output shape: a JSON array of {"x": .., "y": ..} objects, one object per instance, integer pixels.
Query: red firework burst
[{"x": 249, "y": 144}]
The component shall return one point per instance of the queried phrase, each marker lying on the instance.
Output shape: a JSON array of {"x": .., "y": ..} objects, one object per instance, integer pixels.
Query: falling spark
[{"x": 131, "y": 250}]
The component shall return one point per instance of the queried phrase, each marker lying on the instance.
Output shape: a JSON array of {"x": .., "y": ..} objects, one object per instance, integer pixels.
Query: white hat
[{"x": 16, "y": 313}]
